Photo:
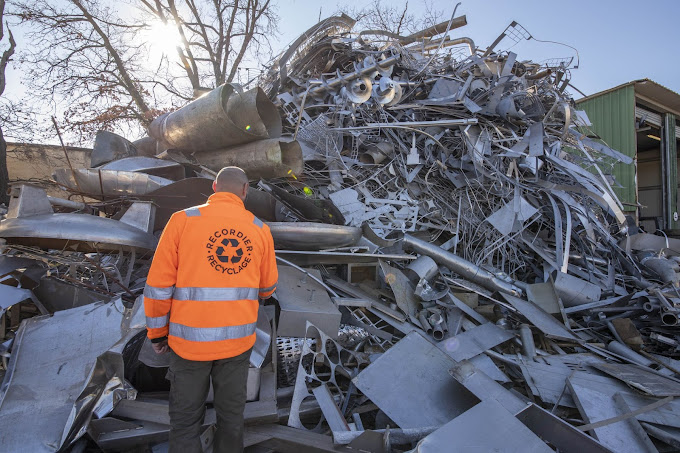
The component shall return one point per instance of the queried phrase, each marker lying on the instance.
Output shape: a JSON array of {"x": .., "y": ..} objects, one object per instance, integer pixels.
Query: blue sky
[{"x": 617, "y": 40}]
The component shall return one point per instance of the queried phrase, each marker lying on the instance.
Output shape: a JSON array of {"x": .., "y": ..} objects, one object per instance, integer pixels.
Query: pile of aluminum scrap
[{"x": 455, "y": 269}]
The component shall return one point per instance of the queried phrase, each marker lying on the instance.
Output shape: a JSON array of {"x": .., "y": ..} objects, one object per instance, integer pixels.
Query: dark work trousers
[{"x": 189, "y": 386}]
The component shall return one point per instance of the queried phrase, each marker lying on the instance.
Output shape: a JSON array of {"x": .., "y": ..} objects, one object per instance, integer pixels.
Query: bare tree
[
  {"x": 386, "y": 16},
  {"x": 4, "y": 59},
  {"x": 217, "y": 35},
  {"x": 91, "y": 58},
  {"x": 85, "y": 57}
]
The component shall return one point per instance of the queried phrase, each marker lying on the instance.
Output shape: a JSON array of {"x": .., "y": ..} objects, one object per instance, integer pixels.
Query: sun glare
[{"x": 162, "y": 38}]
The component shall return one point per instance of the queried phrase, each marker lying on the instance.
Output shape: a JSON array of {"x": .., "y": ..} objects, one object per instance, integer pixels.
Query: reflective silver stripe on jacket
[
  {"x": 258, "y": 222},
  {"x": 192, "y": 212},
  {"x": 214, "y": 294},
  {"x": 157, "y": 322},
  {"x": 160, "y": 293},
  {"x": 264, "y": 290},
  {"x": 211, "y": 333}
]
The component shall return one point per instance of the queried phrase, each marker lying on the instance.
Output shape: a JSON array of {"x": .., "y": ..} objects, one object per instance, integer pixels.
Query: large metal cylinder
[
  {"x": 263, "y": 159},
  {"x": 461, "y": 266},
  {"x": 312, "y": 236},
  {"x": 220, "y": 119}
]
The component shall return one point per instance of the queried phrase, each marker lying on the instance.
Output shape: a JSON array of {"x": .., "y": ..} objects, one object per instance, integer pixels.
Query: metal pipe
[
  {"x": 669, "y": 319},
  {"x": 624, "y": 351},
  {"x": 425, "y": 323},
  {"x": 78, "y": 206},
  {"x": 435, "y": 30},
  {"x": 312, "y": 236},
  {"x": 443, "y": 123},
  {"x": 662, "y": 435},
  {"x": 220, "y": 119},
  {"x": 437, "y": 320},
  {"x": 454, "y": 42},
  {"x": 461, "y": 266},
  {"x": 263, "y": 159},
  {"x": 527, "y": 339}
]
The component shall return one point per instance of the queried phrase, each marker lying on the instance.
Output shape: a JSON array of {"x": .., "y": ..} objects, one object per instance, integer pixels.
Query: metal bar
[
  {"x": 642, "y": 410},
  {"x": 441, "y": 123},
  {"x": 330, "y": 410},
  {"x": 68, "y": 159},
  {"x": 634, "y": 424}
]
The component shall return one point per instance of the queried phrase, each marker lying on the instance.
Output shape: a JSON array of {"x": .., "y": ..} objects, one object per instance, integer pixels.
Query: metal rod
[
  {"x": 66, "y": 203},
  {"x": 68, "y": 160},
  {"x": 456, "y": 122},
  {"x": 642, "y": 410},
  {"x": 112, "y": 277}
]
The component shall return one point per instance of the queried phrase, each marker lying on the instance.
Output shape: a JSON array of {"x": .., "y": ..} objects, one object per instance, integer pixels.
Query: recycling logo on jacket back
[{"x": 229, "y": 251}]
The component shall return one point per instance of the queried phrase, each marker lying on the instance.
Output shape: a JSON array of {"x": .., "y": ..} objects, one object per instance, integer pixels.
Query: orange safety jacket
[{"x": 211, "y": 264}]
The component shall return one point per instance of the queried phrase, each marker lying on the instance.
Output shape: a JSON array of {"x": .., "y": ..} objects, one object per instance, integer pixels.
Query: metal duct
[
  {"x": 220, "y": 119},
  {"x": 312, "y": 236},
  {"x": 263, "y": 159}
]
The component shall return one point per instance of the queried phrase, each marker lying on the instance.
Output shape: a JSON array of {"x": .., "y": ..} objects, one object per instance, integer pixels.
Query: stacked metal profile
[{"x": 456, "y": 271}]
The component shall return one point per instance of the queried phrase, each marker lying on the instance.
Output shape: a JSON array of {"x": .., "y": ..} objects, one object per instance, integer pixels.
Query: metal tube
[
  {"x": 662, "y": 435},
  {"x": 527, "y": 339},
  {"x": 433, "y": 123},
  {"x": 219, "y": 119},
  {"x": 669, "y": 319},
  {"x": 435, "y": 30},
  {"x": 624, "y": 351},
  {"x": 263, "y": 159},
  {"x": 67, "y": 203},
  {"x": 437, "y": 321},
  {"x": 453, "y": 42},
  {"x": 461, "y": 266},
  {"x": 425, "y": 323}
]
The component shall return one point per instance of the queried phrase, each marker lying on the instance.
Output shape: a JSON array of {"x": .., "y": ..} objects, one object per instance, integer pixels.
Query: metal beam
[{"x": 669, "y": 169}]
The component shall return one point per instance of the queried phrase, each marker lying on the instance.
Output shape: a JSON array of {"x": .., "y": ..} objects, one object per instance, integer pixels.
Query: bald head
[{"x": 232, "y": 180}]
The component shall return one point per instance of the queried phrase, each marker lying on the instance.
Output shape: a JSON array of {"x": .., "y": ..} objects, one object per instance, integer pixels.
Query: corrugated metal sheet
[
  {"x": 613, "y": 118},
  {"x": 652, "y": 118}
]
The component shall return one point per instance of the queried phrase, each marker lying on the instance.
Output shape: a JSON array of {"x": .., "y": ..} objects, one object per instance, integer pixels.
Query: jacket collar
[{"x": 225, "y": 197}]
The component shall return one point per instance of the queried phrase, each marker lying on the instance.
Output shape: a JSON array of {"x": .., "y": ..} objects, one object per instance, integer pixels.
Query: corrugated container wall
[{"x": 613, "y": 118}]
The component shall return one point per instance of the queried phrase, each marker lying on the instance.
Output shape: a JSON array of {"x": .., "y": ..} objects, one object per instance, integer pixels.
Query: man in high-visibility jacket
[{"x": 212, "y": 263}]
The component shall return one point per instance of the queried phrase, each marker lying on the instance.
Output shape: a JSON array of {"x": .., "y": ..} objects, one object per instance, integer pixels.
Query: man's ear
[
  {"x": 214, "y": 186},
  {"x": 245, "y": 189}
]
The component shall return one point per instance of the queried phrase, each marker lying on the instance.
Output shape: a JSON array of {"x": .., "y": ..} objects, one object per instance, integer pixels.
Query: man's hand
[{"x": 161, "y": 347}]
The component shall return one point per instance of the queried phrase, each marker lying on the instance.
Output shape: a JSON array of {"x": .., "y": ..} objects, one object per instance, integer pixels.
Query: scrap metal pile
[{"x": 455, "y": 269}]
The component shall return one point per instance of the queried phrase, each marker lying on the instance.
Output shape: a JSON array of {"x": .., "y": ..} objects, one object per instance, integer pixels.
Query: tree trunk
[{"x": 4, "y": 176}]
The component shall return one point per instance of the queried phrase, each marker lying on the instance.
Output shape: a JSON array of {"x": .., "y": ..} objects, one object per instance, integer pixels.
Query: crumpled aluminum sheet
[{"x": 50, "y": 373}]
